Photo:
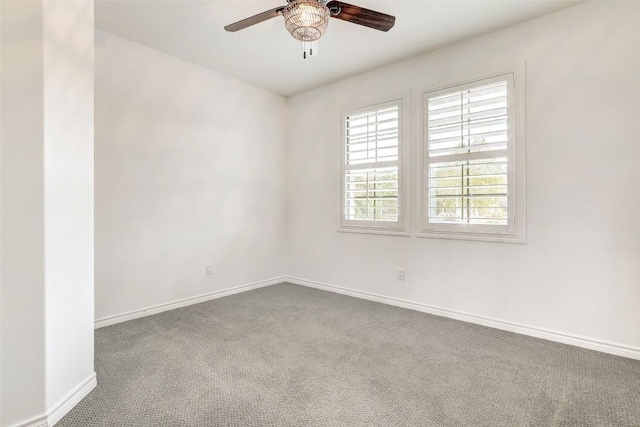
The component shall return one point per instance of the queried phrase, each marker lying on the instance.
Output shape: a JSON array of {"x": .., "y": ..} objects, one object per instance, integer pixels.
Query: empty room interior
[{"x": 320, "y": 213}]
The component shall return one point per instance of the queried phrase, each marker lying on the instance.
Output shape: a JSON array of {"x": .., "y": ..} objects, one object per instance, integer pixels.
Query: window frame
[
  {"x": 402, "y": 226},
  {"x": 516, "y": 187}
]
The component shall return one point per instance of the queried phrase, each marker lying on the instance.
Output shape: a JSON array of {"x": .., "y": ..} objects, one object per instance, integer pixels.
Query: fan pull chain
[{"x": 310, "y": 49}]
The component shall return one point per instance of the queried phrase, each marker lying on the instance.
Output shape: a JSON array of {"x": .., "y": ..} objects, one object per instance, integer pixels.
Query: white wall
[
  {"x": 22, "y": 393},
  {"x": 47, "y": 209},
  {"x": 190, "y": 169},
  {"x": 68, "y": 93},
  {"x": 579, "y": 272}
]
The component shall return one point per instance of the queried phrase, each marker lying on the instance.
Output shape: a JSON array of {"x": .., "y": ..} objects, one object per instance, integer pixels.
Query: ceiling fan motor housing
[{"x": 306, "y": 20}]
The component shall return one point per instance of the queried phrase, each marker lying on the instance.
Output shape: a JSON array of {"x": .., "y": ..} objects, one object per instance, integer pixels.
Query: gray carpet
[{"x": 286, "y": 355}]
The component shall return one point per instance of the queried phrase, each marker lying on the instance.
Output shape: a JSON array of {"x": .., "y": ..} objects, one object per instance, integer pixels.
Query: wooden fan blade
[
  {"x": 256, "y": 19},
  {"x": 361, "y": 16}
]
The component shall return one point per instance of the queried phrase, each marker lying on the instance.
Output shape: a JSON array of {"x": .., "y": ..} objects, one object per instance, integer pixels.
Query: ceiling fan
[{"x": 307, "y": 20}]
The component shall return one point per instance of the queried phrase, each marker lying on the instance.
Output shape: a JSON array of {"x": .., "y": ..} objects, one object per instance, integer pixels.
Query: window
[
  {"x": 373, "y": 174},
  {"x": 472, "y": 181}
]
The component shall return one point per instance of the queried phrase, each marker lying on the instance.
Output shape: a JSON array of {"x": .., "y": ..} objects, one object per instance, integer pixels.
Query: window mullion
[
  {"x": 468, "y": 156},
  {"x": 372, "y": 165}
]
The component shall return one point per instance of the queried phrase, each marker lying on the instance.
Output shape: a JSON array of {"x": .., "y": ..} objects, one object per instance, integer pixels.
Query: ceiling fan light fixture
[{"x": 306, "y": 20}]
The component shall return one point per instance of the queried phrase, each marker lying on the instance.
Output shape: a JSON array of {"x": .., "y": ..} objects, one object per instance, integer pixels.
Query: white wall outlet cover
[
  {"x": 401, "y": 274},
  {"x": 209, "y": 269}
]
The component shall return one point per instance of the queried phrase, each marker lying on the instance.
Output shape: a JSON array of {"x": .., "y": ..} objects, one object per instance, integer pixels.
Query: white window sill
[
  {"x": 481, "y": 237},
  {"x": 382, "y": 231}
]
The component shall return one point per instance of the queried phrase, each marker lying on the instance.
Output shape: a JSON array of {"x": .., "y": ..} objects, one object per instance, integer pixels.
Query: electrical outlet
[
  {"x": 401, "y": 274},
  {"x": 209, "y": 269}
]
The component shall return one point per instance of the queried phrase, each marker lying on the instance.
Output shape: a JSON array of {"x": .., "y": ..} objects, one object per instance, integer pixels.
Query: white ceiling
[{"x": 267, "y": 56}]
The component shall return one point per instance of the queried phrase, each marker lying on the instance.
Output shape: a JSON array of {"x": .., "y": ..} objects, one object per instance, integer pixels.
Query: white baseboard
[
  {"x": 63, "y": 406},
  {"x": 72, "y": 398},
  {"x": 578, "y": 341},
  {"x": 147, "y": 311},
  {"x": 39, "y": 421}
]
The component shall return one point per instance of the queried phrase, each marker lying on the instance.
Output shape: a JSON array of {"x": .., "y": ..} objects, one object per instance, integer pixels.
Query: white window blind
[
  {"x": 469, "y": 168},
  {"x": 372, "y": 166},
  {"x": 469, "y": 120}
]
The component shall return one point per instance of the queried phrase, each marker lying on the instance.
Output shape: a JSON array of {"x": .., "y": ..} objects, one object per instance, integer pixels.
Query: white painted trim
[
  {"x": 63, "y": 406},
  {"x": 403, "y": 226},
  {"x": 575, "y": 340},
  {"x": 39, "y": 421},
  {"x": 516, "y": 152},
  {"x": 71, "y": 399},
  {"x": 154, "y": 309}
]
